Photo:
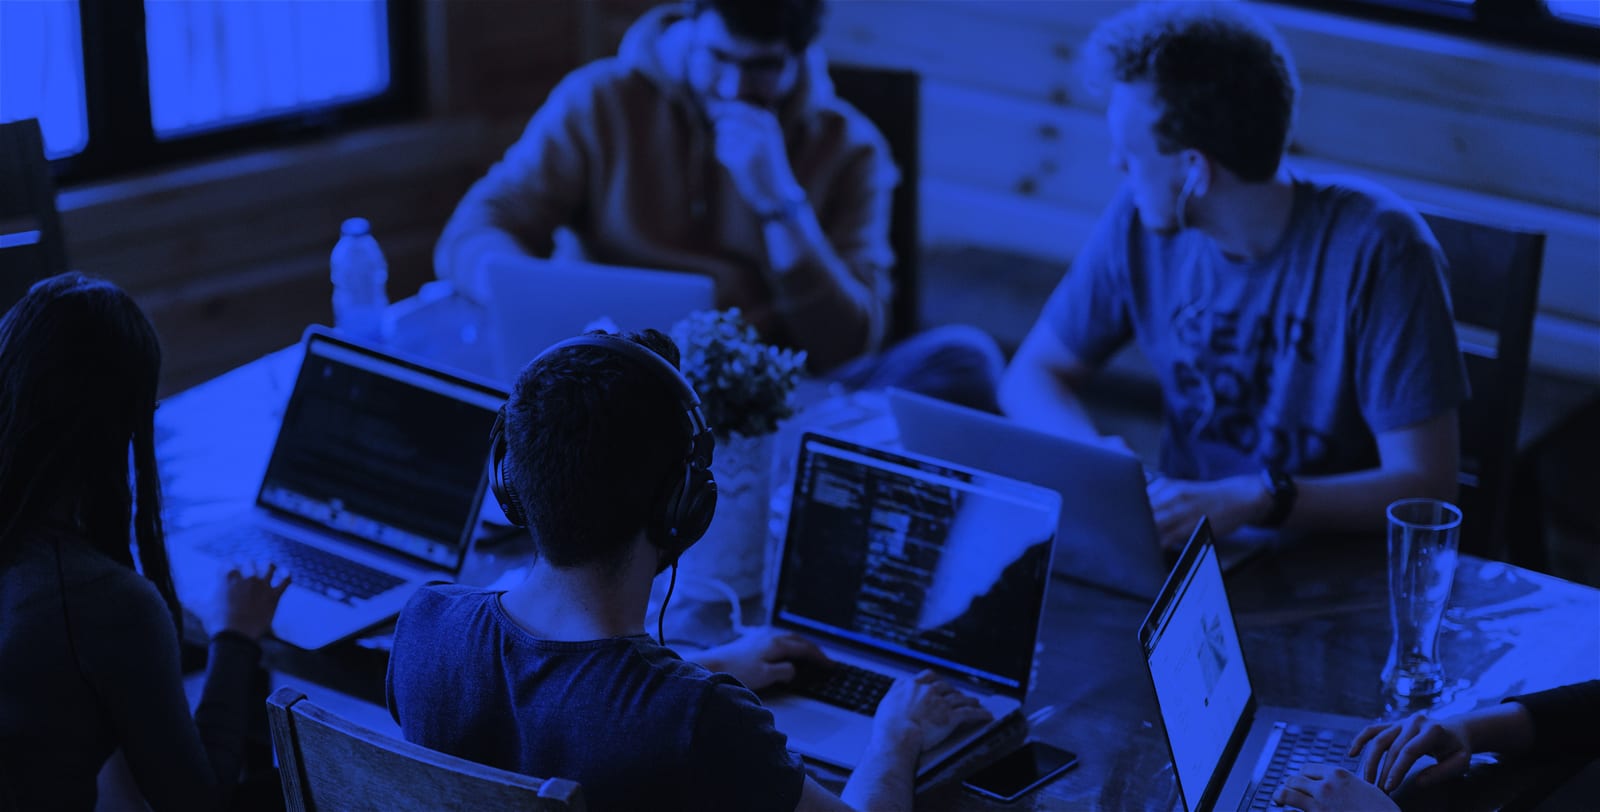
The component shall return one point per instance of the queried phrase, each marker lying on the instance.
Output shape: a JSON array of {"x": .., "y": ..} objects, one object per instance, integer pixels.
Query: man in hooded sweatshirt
[{"x": 713, "y": 144}]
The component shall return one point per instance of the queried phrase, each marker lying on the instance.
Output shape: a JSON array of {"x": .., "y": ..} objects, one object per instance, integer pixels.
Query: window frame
[
  {"x": 122, "y": 139},
  {"x": 1522, "y": 23}
]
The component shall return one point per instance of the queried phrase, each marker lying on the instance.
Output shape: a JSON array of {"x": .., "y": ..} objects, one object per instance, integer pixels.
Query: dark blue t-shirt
[
  {"x": 1294, "y": 361},
  {"x": 632, "y": 722}
]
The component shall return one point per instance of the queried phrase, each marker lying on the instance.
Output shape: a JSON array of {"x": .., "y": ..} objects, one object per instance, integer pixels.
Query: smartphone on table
[{"x": 1021, "y": 771}]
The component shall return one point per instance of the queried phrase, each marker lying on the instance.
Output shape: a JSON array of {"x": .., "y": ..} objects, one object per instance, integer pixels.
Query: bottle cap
[{"x": 356, "y": 226}]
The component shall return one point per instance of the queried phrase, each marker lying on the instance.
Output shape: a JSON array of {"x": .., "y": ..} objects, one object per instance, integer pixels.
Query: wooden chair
[
  {"x": 891, "y": 100},
  {"x": 31, "y": 245},
  {"x": 330, "y": 763},
  {"x": 1493, "y": 276}
]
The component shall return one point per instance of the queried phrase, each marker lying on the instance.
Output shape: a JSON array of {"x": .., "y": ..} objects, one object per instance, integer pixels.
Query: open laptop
[
  {"x": 896, "y": 564},
  {"x": 1228, "y": 753},
  {"x": 373, "y": 487},
  {"x": 1107, "y": 534},
  {"x": 534, "y": 303}
]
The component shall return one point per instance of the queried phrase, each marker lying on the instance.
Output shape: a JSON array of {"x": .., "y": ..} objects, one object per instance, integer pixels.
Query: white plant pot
[{"x": 734, "y": 549}]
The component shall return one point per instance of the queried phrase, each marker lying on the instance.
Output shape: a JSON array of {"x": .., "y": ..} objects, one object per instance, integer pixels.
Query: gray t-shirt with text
[{"x": 1294, "y": 361}]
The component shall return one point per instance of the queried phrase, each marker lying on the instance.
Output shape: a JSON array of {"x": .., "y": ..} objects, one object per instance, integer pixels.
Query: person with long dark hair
[{"x": 89, "y": 619}]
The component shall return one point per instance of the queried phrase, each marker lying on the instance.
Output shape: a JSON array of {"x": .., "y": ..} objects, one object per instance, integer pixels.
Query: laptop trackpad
[{"x": 821, "y": 731}]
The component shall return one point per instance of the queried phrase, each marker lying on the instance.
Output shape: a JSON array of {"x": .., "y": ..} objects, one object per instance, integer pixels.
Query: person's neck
[
  {"x": 583, "y": 603},
  {"x": 1247, "y": 220}
]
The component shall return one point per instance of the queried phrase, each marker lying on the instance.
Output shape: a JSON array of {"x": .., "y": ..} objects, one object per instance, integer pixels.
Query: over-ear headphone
[{"x": 688, "y": 498}]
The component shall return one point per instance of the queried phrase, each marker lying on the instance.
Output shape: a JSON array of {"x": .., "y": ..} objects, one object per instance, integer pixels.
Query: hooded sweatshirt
[{"x": 623, "y": 157}]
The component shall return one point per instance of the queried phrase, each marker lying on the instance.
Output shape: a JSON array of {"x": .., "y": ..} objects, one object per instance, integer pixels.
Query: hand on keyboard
[
  {"x": 1321, "y": 788},
  {"x": 762, "y": 657},
  {"x": 247, "y": 598},
  {"x": 921, "y": 711}
]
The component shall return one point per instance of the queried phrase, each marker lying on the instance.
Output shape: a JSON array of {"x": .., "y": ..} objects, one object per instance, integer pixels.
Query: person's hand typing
[
  {"x": 1388, "y": 751},
  {"x": 1178, "y": 505},
  {"x": 762, "y": 657},
  {"x": 1323, "y": 788},
  {"x": 247, "y": 598},
  {"x": 921, "y": 711}
]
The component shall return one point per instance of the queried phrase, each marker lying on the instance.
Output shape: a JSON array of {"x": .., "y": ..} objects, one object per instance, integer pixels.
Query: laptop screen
[
  {"x": 1192, "y": 648},
  {"x": 383, "y": 450},
  {"x": 938, "y": 565}
]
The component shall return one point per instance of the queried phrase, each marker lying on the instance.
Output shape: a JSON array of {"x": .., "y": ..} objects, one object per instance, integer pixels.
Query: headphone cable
[{"x": 661, "y": 614}]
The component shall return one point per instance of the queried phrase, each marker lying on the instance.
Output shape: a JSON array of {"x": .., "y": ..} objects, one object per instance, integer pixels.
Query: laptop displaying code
[{"x": 943, "y": 566}]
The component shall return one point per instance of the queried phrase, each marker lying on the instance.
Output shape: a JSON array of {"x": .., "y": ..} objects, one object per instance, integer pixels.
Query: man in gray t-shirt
[{"x": 1299, "y": 328}]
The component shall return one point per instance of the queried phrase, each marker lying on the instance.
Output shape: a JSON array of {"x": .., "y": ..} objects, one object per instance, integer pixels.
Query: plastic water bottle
[{"x": 360, "y": 275}]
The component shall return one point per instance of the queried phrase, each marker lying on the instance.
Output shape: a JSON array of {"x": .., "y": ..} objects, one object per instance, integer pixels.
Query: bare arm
[
  {"x": 1039, "y": 388},
  {"x": 1419, "y": 460}
]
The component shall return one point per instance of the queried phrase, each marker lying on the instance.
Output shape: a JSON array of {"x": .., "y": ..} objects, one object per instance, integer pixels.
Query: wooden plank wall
[{"x": 1015, "y": 154}]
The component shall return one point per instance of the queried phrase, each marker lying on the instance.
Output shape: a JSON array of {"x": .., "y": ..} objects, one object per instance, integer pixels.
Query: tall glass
[{"x": 1423, "y": 539}]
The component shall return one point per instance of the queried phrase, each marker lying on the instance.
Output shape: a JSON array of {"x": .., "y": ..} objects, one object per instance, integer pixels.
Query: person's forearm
[
  {"x": 1505, "y": 728},
  {"x": 884, "y": 780},
  {"x": 831, "y": 314},
  {"x": 1359, "y": 501},
  {"x": 461, "y": 256},
  {"x": 1042, "y": 400}
]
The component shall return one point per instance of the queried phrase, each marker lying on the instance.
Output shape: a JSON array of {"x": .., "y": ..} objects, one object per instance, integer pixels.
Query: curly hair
[
  {"x": 795, "y": 22},
  {"x": 1225, "y": 80},
  {"x": 592, "y": 441}
]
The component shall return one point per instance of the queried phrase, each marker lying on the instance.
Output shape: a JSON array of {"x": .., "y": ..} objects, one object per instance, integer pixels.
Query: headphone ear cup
[
  {"x": 504, "y": 493},
  {"x": 700, "y": 506}
]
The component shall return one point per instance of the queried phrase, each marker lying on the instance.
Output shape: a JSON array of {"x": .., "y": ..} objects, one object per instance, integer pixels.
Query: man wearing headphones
[
  {"x": 604, "y": 455},
  {"x": 1299, "y": 327}
]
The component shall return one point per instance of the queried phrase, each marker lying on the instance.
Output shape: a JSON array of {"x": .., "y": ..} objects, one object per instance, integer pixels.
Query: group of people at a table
[{"x": 1299, "y": 328}]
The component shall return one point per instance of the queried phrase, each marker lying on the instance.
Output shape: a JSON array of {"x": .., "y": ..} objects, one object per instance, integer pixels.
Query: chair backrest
[
  {"x": 1493, "y": 276},
  {"x": 892, "y": 101},
  {"x": 31, "y": 245},
  {"x": 329, "y": 763}
]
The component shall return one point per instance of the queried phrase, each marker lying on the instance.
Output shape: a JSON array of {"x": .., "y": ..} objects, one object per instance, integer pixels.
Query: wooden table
[{"x": 1313, "y": 619}]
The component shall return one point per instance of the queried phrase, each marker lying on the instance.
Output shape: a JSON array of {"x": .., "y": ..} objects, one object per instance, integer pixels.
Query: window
[
  {"x": 120, "y": 86},
  {"x": 1569, "y": 27}
]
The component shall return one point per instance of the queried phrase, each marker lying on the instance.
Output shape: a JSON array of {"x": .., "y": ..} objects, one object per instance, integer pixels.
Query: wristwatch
[{"x": 1280, "y": 486}]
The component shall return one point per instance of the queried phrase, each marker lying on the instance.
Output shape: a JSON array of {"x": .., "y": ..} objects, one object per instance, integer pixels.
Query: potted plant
[{"x": 746, "y": 389}]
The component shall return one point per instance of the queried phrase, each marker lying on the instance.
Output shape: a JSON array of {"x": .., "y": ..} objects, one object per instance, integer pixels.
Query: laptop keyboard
[
  {"x": 847, "y": 686},
  {"x": 313, "y": 568},
  {"x": 1298, "y": 746}
]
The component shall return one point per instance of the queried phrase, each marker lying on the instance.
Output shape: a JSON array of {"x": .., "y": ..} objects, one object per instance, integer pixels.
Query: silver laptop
[
  {"x": 534, "y": 303},
  {"x": 895, "y": 564},
  {"x": 1107, "y": 534},
  {"x": 1228, "y": 753},
  {"x": 373, "y": 487}
]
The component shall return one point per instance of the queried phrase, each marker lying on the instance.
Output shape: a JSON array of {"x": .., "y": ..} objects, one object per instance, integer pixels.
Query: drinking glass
[{"x": 1423, "y": 539}]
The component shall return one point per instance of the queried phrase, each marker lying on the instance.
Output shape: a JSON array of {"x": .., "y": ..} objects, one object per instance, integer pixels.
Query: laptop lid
[
  {"x": 1191, "y": 646},
  {"x": 918, "y": 561},
  {"x": 1107, "y": 535},
  {"x": 534, "y": 303},
  {"x": 382, "y": 450}
]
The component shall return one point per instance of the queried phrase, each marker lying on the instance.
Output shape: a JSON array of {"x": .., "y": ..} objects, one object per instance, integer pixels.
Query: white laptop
[
  {"x": 534, "y": 303},
  {"x": 1228, "y": 753},
  {"x": 895, "y": 564},
  {"x": 1107, "y": 534},
  {"x": 373, "y": 488}
]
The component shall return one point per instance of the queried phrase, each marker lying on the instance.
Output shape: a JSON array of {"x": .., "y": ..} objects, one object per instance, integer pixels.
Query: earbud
[{"x": 1190, "y": 183}]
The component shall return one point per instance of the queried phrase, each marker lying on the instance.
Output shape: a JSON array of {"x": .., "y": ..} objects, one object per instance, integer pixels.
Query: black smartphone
[{"x": 1020, "y": 771}]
